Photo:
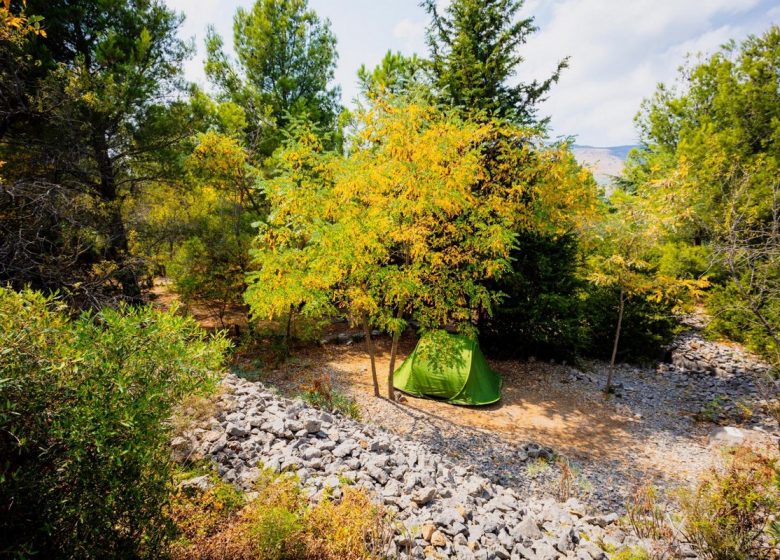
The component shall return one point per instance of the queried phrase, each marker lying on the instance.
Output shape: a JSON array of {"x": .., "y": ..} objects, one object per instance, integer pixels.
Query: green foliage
[
  {"x": 413, "y": 223},
  {"x": 286, "y": 57},
  {"x": 646, "y": 516},
  {"x": 396, "y": 74},
  {"x": 539, "y": 313},
  {"x": 647, "y": 325},
  {"x": 731, "y": 318},
  {"x": 90, "y": 123},
  {"x": 474, "y": 55},
  {"x": 715, "y": 137},
  {"x": 623, "y": 240},
  {"x": 712, "y": 410},
  {"x": 83, "y": 416},
  {"x": 728, "y": 515},
  {"x": 210, "y": 266},
  {"x": 328, "y": 398},
  {"x": 279, "y": 524},
  {"x": 681, "y": 260},
  {"x": 634, "y": 553}
]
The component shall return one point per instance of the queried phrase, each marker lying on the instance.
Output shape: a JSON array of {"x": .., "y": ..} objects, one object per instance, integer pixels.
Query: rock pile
[
  {"x": 443, "y": 510},
  {"x": 693, "y": 353},
  {"x": 729, "y": 383}
]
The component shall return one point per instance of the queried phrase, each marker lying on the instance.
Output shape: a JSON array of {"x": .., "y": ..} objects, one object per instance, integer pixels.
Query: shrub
[
  {"x": 209, "y": 267},
  {"x": 84, "y": 409},
  {"x": 352, "y": 529},
  {"x": 320, "y": 393},
  {"x": 646, "y": 516},
  {"x": 634, "y": 553},
  {"x": 682, "y": 260},
  {"x": 731, "y": 318},
  {"x": 647, "y": 325},
  {"x": 279, "y": 524},
  {"x": 199, "y": 515},
  {"x": 729, "y": 515}
]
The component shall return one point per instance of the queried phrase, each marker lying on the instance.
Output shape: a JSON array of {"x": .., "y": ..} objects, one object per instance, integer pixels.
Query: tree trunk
[
  {"x": 617, "y": 340},
  {"x": 393, "y": 352},
  {"x": 117, "y": 248},
  {"x": 370, "y": 345}
]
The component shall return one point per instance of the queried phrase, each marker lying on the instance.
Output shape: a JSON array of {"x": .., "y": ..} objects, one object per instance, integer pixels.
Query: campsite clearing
[{"x": 647, "y": 433}]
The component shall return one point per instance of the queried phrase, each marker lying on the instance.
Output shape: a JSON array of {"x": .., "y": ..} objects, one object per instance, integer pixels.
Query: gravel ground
[{"x": 660, "y": 420}]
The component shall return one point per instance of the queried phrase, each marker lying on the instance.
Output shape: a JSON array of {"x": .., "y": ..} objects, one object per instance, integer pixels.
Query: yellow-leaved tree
[
  {"x": 412, "y": 224},
  {"x": 630, "y": 228},
  {"x": 394, "y": 230}
]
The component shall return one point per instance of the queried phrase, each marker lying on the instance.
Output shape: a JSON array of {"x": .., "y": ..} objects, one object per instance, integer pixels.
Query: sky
[{"x": 619, "y": 49}]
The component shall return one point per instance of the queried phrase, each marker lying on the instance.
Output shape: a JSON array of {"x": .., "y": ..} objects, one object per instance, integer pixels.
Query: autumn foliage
[{"x": 410, "y": 225}]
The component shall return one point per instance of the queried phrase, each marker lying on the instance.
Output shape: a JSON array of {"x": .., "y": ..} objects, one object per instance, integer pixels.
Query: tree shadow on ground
[{"x": 539, "y": 404}]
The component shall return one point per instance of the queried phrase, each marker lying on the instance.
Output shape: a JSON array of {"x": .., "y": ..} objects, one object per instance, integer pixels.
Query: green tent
[{"x": 448, "y": 367}]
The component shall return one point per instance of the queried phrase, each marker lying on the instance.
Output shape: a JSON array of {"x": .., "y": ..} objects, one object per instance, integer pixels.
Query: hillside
[{"x": 605, "y": 163}]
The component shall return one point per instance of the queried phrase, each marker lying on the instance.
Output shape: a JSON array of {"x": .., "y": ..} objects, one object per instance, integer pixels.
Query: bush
[
  {"x": 351, "y": 529},
  {"x": 209, "y": 267},
  {"x": 279, "y": 524},
  {"x": 731, "y": 318},
  {"x": 682, "y": 260},
  {"x": 84, "y": 409},
  {"x": 321, "y": 394},
  {"x": 729, "y": 515},
  {"x": 635, "y": 553},
  {"x": 647, "y": 325}
]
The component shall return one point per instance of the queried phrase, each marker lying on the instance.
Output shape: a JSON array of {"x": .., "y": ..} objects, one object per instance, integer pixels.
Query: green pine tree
[{"x": 474, "y": 48}]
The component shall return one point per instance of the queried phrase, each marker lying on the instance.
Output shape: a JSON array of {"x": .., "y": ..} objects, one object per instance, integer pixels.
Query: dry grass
[
  {"x": 195, "y": 411},
  {"x": 279, "y": 524}
]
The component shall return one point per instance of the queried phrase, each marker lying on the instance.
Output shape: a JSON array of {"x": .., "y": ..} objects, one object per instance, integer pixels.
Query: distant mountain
[{"x": 605, "y": 163}]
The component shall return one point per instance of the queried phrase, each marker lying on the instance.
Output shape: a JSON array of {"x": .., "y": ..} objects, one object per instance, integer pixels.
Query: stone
[
  {"x": 528, "y": 528},
  {"x": 344, "y": 449},
  {"x": 447, "y": 509},
  {"x": 423, "y": 496},
  {"x": 311, "y": 425},
  {"x": 427, "y": 531},
  {"x": 377, "y": 474},
  {"x": 277, "y": 427},
  {"x": 311, "y": 453},
  {"x": 236, "y": 431},
  {"x": 728, "y": 436},
  {"x": 602, "y": 520},
  {"x": 218, "y": 445},
  {"x": 545, "y": 551},
  {"x": 201, "y": 483},
  {"x": 565, "y": 542},
  {"x": 181, "y": 449},
  {"x": 438, "y": 539}
]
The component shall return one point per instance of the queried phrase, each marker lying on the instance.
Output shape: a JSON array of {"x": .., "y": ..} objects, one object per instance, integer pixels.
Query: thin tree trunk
[
  {"x": 370, "y": 345},
  {"x": 393, "y": 352},
  {"x": 617, "y": 340}
]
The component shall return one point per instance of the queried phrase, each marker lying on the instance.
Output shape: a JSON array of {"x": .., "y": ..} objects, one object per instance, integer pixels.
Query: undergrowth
[
  {"x": 278, "y": 524},
  {"x": 321, "y": 394},
  {"x": 730, "y": 515}
]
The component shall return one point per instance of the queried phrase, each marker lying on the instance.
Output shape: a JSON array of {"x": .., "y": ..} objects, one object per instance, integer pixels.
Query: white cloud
[
  {"x": 411, "y": 33},
  {"x": 619, "y": 52}
]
